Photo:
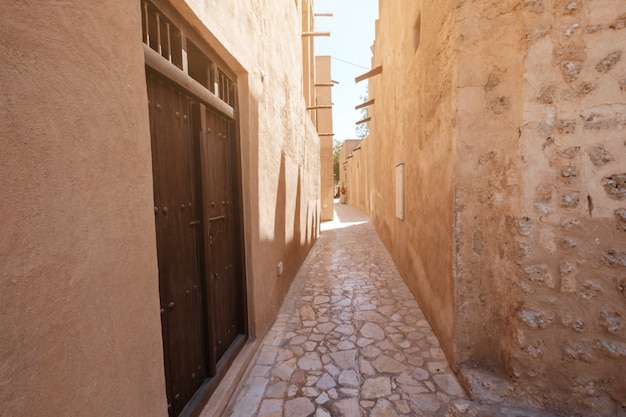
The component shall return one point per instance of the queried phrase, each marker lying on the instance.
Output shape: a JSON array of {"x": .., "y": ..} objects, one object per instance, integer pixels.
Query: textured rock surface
[{"x": 528, "y": 97}]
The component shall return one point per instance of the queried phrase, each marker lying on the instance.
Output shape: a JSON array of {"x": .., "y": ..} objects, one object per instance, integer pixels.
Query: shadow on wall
[{"x": 291, "y": 244}]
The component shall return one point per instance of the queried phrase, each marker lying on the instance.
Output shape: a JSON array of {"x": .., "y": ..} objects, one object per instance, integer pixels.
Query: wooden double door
[{"x": 199, "y": 247}]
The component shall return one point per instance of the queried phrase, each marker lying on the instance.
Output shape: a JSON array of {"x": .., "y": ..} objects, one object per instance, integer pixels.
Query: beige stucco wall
[
  {"x": 280, "y": 147},
  {"x": 487, "y": 178},
  {"x": 79, "y": 301},
  {"x": 325, "y": 129},
  {"x": 345, "y": 153},
  {"x": 78, "y": 269},
  {"x": 513, "y": 241},
  {"x": 357, "y": 167},
  {"x": 413, "y": 122}
]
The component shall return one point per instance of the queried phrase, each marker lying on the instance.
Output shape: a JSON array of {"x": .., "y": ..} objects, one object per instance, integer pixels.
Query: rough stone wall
[
  {"x": 79, "y": 300},
  {"x": 413, "y": 122},
  {"x": 539, "y": 197},
  {"x": 509, "y": 117},
  {"x": 571, "y": 251}
]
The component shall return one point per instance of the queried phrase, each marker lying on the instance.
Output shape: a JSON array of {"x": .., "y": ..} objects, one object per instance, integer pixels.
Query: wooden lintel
[
  {"x": 155, "y": 61},
  {"x": 369, "y": 74},
  {"x": 367, "y": 119},
  {"x": 323, "y": 14},
  {"x": 321, "y": 106},
  {"x": 309, "y": 34},
  {"x": 324, "y": 84},
  {"x": 326, "y": 134},
  {"x": 367, "y": 103}
]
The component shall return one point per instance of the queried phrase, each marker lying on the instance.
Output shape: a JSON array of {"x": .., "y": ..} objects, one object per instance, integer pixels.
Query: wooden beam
[
  {"x": 324, "y": 84},
  {"x": 309, "y": 34},
  {"x": 367, "y": 103},
  {"x": 155, "y": 61},
  {"x": 323, "y": 14},
  {"x": 326, "y": 134},
  {"x": 367, "y": 119},
  {"x": 321, "y": 106},
  {"x": 369, "y": 74}
]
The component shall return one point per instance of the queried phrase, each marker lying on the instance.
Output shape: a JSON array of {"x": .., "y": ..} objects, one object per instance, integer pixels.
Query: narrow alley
[{"x": 350, "y": 340}]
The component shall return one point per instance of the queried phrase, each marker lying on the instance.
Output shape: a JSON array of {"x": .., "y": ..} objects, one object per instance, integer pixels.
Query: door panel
[
  {"x": 224, "y": 291},
  {"x": 200, "y": 271},
  {"x": 177, "y": 240}
]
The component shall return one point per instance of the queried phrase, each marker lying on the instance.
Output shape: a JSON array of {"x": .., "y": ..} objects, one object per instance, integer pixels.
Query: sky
[{"x": 351, "y": 36}]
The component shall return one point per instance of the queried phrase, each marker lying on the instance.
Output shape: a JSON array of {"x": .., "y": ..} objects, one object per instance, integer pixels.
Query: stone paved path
[{"x": 349, "y": 340}]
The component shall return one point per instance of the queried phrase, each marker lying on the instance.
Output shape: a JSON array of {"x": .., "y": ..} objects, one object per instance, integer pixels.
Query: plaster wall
[
  {"x": 261, "y": 42},
  {"x": 413, "y": 122},
  {"x": 325, "y": 129},
  {"x": 79, "y": 300},
  {"x": 345, "y": 153},
  {"x": 357, "y": 168},
  {"x": 487, "y": 178},
  {"x": 78, "y": 268}
]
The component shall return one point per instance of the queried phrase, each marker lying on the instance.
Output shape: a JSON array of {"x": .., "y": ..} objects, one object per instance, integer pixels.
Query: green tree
[{"x": 336, "y": 147}]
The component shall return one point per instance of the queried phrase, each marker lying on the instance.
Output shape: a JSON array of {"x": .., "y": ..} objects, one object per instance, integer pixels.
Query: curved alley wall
[
  {"x": 509, "y": 119},
  {"x": 413, "y": 123}
]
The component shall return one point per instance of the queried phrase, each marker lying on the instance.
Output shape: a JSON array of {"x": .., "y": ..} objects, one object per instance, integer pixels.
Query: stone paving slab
[{"x": 350, "y": 340}]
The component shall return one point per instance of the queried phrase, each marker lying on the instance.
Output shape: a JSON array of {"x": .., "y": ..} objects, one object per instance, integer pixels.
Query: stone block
[
  {"x": 590, "y": 289},
  {"x": 576, "y": 352},
  {"x": 570, "y": 200},
  {"x": 569, "y": 174},
  {"x": 615, "y": 186},
  {"x": 572, "y": 7},
  {"x": 568, "y": 242},
  {"x": 568, "y": 272},
  {"x": 540, "y": 274},
  {"x": 614, "y": 257},
  {"x": 620, "y": 215},
  {"x": 599, "y": 156},
  {"x": 604, "y": 117},
  {"x": 566, "y": 126},
  {"x": 300, "y": 407},
  {"x": 620, "y": 22},
  {"x": 376, "y": 388},
  {"x": 609, "y": 62},
  {"x": 612, "y": 349},
  {"x": 610, "y": 321},
  {"x": 535, "y": 6},
  {"x": 535, "y": 319},
  {"x": 570, "y": 152},
  {"x": 571, "y": 70}
]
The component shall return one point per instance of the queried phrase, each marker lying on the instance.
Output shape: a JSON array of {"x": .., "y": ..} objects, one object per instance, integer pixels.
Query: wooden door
[
  {"x": 178, "y": 236},
  {"x": 198, "y": 245},
  {"x": 224, "y": 284}
]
